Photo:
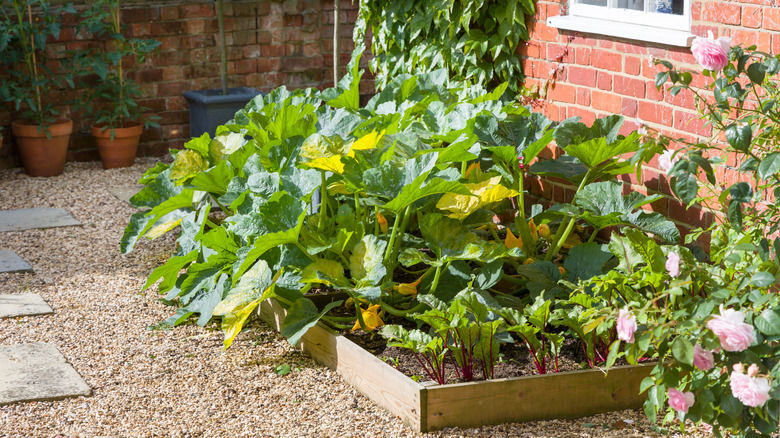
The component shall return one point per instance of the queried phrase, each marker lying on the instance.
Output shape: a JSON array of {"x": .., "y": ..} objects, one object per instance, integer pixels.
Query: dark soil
[{"x": 515, "y": 360}]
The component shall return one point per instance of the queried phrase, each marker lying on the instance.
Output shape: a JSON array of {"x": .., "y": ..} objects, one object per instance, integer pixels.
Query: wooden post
[
  {"x": 336, "y": 40},
  {"x": 222, "y": 48}
]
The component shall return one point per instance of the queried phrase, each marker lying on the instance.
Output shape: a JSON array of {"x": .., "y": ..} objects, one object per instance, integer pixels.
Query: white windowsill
[{"x": 637, "y": 32}]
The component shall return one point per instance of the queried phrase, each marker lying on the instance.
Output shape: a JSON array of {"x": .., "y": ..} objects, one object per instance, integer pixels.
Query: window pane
[
  {"x": 674, "y": 7},
  {"x": 593, "y": 2},
  {"x": 634, "y": 5}
]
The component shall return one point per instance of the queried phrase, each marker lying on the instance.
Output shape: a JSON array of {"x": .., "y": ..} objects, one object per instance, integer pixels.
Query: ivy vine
[{"x": 475, "y": 40}]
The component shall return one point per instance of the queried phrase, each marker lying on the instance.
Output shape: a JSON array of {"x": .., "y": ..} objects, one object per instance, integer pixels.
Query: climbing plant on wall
[{"x": 475, "y": 40}]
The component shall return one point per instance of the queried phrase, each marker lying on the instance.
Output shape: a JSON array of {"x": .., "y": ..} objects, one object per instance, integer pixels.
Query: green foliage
[
  {"x": 674, "y": 311},
  {"x": 744, "y": 111},
  {"x": 28, "y": 73},
  {"x": 110, "y": 100},
  {"x": 472, "y": 41},
  {"x": 467, "y": 331},
  {"x": 532, "y": 324},
  {"x": 393, "y": 205}
]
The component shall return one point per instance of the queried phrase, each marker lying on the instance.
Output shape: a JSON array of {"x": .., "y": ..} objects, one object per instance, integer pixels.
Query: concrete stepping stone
[
  {"x": 37, "y": 371},
  {"x": 23, "y": 305},
  {"x": 124, "y": 193},
  {"x": 10, "y": 262},
  {"x": 28, "y": 218}
]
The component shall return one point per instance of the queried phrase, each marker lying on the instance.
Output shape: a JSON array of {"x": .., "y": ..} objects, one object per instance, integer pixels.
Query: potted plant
[
  {"x": 110, "y": 101},
  {"x": 41, "y": 135},
  {"x": 211, "y": 108}
]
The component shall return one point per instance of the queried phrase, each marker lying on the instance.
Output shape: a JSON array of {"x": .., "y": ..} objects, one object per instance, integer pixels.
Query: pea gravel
[{"x": 153, "y": 381}]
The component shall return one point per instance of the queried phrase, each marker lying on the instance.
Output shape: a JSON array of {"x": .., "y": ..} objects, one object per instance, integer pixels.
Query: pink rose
[
  {"x": 673, "y": 264},
  {"x": 731, "y": 330},
  {"x": 712, "y": 54},
  {"x": 626, "y": 326},
  {"x": 702, "y": 359},
  {"x": 667, "y": 160},
  {"x": 680, "y": 401},
  {"x": 751, "y": 391}
]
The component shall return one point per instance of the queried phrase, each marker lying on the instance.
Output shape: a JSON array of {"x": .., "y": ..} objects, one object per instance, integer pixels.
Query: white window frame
[{"x": 610, "y": 20}]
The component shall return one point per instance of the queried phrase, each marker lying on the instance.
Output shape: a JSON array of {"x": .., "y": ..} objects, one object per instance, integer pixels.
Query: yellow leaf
[
  {"x": 486, "y": 192},
  {"x": 338, "y": 188},
  {"x": 320, "y": 152},
  {"x": 368, "y": 141},
  {"x": 331, "y": 164},
  {"x": 160, "y": 229},
  {"x": 187, "y": 162},
  {"x": 233, "y": 322},
  {"x": 511, "y": 241},
  {"x": 593, "y": 324},
  {"x": 235, "y": 299}
]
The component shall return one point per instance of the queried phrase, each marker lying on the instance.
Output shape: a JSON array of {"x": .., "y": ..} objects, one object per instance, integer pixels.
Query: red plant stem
[
  {"x": 539, "y": 368},
  {"x": 452, "y": 358},
  {"x": 436, "y": 376}
]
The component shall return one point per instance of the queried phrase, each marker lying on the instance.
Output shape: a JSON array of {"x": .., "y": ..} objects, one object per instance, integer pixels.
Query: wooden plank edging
[
  {"x": 431, "y": 407},
  {"x": 381, "y": 383}
]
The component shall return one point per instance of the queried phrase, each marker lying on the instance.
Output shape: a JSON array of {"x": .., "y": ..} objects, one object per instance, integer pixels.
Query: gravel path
[{"x": 149, "y": 381}]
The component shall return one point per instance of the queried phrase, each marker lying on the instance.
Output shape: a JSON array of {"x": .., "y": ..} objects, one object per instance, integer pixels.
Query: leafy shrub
[
  {"x": 708, "y": 319},
  {"x": 473, "y": 41},
  {"x": 393, "y": 206}
]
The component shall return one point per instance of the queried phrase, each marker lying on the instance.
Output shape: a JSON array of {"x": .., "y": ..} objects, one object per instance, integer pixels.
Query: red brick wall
[
  {"x": 270, "y": 43},
  {"x": 601, "y": 75}
]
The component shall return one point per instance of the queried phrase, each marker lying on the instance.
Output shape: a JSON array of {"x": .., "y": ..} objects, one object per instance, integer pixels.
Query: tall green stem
[
  {"x": 391, "y": 243},
  {"x": 376, "y": 220},
  {"x": 399, "y": 240},
  {"x": 323, "y": 214},
  {"x": 391, "y": 253},
  {"x": 561, "y": 238},
  {"x": 521, "y": 196},
  {"x": 436, "y": 276}
]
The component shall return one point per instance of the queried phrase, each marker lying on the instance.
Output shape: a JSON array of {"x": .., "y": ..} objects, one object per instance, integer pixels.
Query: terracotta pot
[
  {"x": 120, "y": 150},
  {"x": 42, "y": 155}
]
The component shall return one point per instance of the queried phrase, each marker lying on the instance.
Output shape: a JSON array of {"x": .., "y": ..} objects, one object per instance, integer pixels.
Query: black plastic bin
[{"x": 210, "y": 108}]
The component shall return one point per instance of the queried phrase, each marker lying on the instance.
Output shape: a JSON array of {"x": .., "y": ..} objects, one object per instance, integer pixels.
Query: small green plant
[
  {"x": 428, "y": 350},
  {"x": 467, "y": 331},
  {"x": 282, "y": 369},
  {"x": 25, "y": 27},
  {"x": 111, "y": 100},
  {"x": 532, "y": 325}
]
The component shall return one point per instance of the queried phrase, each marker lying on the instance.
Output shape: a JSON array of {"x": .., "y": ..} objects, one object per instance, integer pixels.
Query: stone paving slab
[
  {"x": 124, "y": 193},
  {"x": 23, "y": 305},
  {"x": 28, "y": 218},
  {"x": 37, "y": 372},
  {"x": 10, "y": 262}
]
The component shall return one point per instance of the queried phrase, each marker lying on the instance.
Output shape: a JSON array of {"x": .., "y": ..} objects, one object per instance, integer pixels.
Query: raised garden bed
[{"x": 426, "y": 407}]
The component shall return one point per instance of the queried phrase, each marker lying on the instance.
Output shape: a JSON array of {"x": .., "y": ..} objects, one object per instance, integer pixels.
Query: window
[{"x": 658, "y": 21}]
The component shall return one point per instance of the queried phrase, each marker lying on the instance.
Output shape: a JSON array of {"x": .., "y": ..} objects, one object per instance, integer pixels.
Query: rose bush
[{"x": 711, "y": 321}]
